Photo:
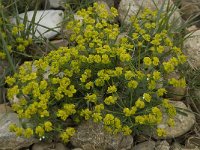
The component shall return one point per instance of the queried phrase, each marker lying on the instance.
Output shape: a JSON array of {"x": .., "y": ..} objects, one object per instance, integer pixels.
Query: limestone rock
[
  {"x": 177, "y": 146},
  {"x": 193, "y": 142},
  {"x": 9, "y": 140},
  {"x": 110, "y": 3},
  {"x": 91, "y": 136},
  {"x": 183, "y": 122},
  {"x": 57, "y": 3},
  {"x": 47, "y": 22},
  {"x": 128, "y": 8},
  {"x": 49, "y": 146},
  {"x": 192, "y": 49},
  {"x": 189, "y": 8},
  {"x": 176, "y": 93},
  {"x": 148, "y": 145},
  {"x": 163, "y": 145}
]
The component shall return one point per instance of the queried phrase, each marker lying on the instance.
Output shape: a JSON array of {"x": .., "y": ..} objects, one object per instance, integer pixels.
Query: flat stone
[
  {"x": 193, "y": 142},
  {"x": 91, "y": 136},
  {"x": 148, "y": 145},
  {"x": 192, "y": 49},
  {"x": 49, "y": 146},
  {"x": 8, "y": 140},
  {"x": 183, "y": 122},
  {"x": 163, "y": 145},
  {"x": 57, "y": 3},
  {"x": 189, "y": 8},
  {"x": 110, "y": 3},
  {"x": 177, "y": 146},
  {"x": 47, "y": 22}
]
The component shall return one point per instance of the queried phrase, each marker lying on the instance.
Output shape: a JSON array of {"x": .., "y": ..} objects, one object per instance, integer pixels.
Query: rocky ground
[{"x": 90, "y": 136}]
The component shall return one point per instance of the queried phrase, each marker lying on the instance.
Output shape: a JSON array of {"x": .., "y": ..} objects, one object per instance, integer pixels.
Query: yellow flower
[
  {"x": 126, "y": 130},
  {"x": 86, "y": 113},
  {"x": 10, "y": 80},
  {"x": 112, "y": 89},
  {"x": 168, "y": 67},
  {"x": 135, "y": 36},
  {"x": 156, "y": 75},
  {"x": 161, "y": 91},
  {"x": 114, "y": 12},
  {"x": 161, "y": 132},
  {"x": 91, "y": 98},
  {"x": 110, "y": 100},
  {"x": 147, "y": 97},
  {"x": 125, "y": 57},
  {"x": 128, "y": 75},
  {"x": 62, "y": 114},
  {"x": 118, "y": 71},
  {"x": 2, "y": 55},
  {"x": 139, "y": 103},
  {"x": 97, "y": 117},
  {"x": 147, "y": 61},
  {"x": 99, "y": 82},
  {"x": 171, "y": 122},
  {"x": 69, "y": 132},
  {"x": 12, "y": 127},
  {"x": 127, "y": 112},
  {"x": 43, "y": 85},
  {"x": 132, "y": 84},
  {"x": 19, "y": 131},
  {"x": 39, "y": 131},
  {"x": 89, "y": 85},
  {"x": 99, "y": 108},
  {"x": 160, "y": 49},
  {"x": 108, "y": 119},
  {"x": 28, "y": 133},
  {"x": 182, "y": 59},
  {"x": 21, "y": 48},
  {"x": 105, "y": 59},
  {"x": 48, "y": 126},
  {"x": 140, "y": 119}
]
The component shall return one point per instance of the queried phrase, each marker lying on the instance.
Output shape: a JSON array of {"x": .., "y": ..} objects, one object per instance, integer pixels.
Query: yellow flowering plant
[{"x": 110, "y": 79}]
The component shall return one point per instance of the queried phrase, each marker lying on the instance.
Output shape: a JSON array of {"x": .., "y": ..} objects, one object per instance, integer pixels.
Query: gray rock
[
  {"x": 9, "y": 140},
  {"x": 110, "y": 3},
  {"x": 189, "y": 8},
  {"x": 91, "y": 136},
  {"x": 148, "y": 145},
  {"x": 175, "y": 93},
  {"x": 57, "y": 3},
  {"x": 163, "y": 145},
  {"x": 193, "y": 142},
  {"x": 77, "y": 149},
  {"x": 177, "y": 146},
  {"x": 49, "y": 146},
  {"x": 47, "y": 22},
  {"x": 128, "y": 8},
  {"x": 192, "y": 49},
  {"x": 183, "y": 122}
]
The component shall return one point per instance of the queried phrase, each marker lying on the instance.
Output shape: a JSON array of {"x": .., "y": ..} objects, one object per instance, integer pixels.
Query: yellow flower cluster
[
  {"x": 18, "y": 42},
  {"x": 100, "y": 76}
]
